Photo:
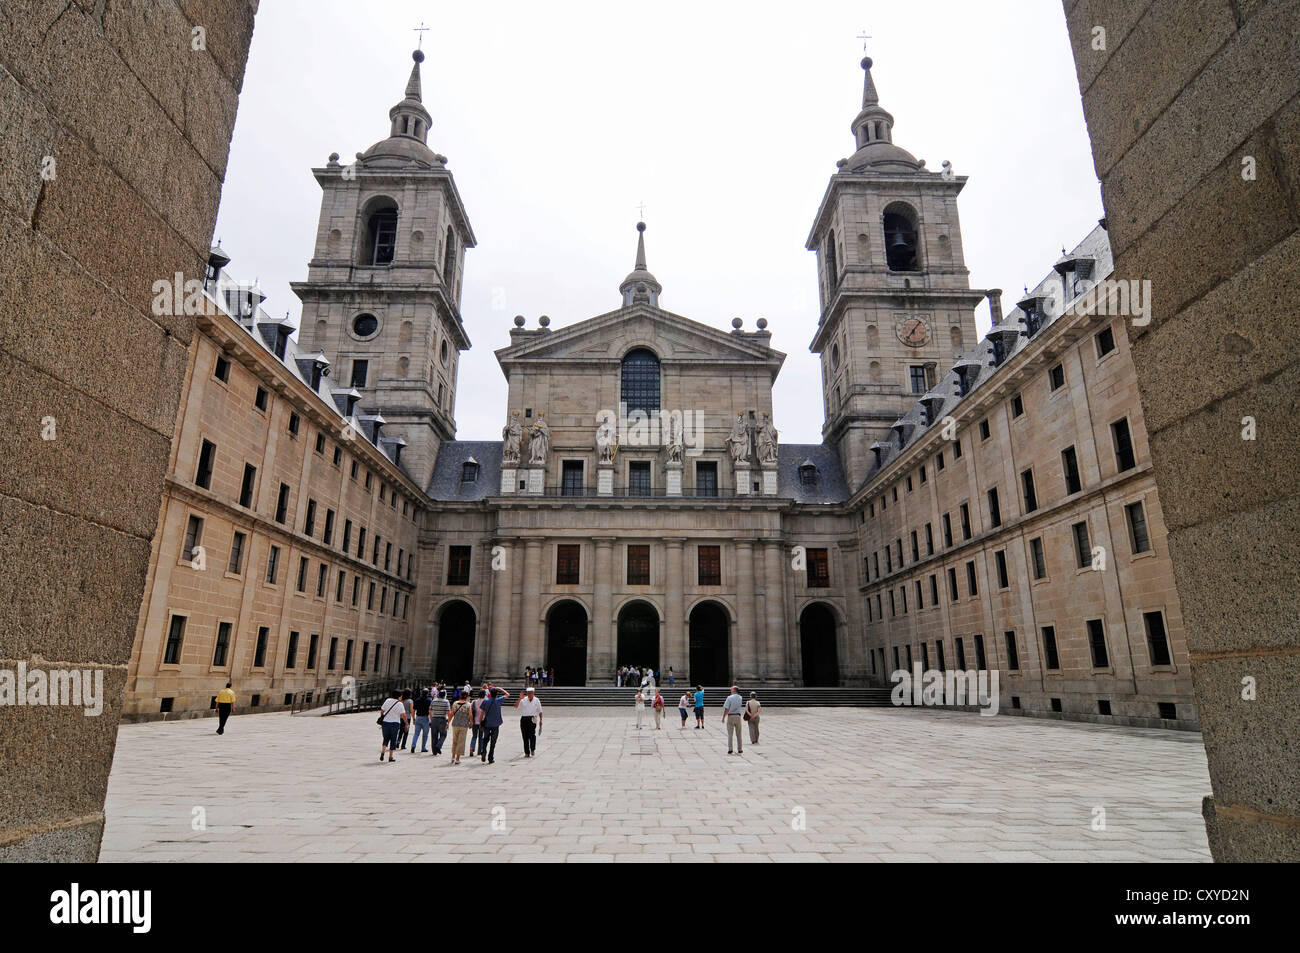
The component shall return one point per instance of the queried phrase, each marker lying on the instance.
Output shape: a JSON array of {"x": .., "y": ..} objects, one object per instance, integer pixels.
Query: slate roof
[
  {"x": 446, "y": 484},
  {"x": 831, "y": 486}
]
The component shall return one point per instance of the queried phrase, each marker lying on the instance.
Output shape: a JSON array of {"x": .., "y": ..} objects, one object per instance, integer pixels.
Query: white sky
[{"x": 726, "y": 119}]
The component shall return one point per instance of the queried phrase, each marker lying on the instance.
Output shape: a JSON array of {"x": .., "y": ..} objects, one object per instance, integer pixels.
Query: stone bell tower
[
  {"x": 896, "y": 301},
  {"x": 382, "y": 295}
]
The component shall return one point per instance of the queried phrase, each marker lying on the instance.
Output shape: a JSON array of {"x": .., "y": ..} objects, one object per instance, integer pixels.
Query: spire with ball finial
[{"x": 640, "y": 287}]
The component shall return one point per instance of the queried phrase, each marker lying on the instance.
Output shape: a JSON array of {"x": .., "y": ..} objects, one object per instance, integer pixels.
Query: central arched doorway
[
  {"x": 456, "y": 625},
  {"x": 710, "y": 650},
  {"x": 638, "y": 636},
  {"x": 566, "y": 642},
  {"x": 821, "y": 663}
]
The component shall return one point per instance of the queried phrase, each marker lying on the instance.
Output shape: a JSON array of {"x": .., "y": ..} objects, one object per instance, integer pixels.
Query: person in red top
[{"x": 659, "y": 709}]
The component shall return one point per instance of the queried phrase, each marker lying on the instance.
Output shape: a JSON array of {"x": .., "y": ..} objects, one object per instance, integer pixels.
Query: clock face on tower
[{"x": 914, "y": 332}]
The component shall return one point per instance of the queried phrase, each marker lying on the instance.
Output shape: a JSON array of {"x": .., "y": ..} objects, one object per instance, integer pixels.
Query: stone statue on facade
[
  {"x": 767, "y": 447},
  {"x": 539, "y": 441},
  {"x": 606, "y": 438},
  {"x": 674, "y": 440},
  {"x": 738, "y": 441},
  {"x": 512, "y": 436}
]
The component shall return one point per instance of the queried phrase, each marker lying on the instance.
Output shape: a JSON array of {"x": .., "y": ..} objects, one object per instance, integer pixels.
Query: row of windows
[
  {"x": 221, "y": 649},
  {"x": 1157, "y": 641}
]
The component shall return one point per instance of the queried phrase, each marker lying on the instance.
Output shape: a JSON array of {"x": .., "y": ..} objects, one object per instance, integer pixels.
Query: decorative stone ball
[
  {"x": 418, "y": 56},
  {"x": 519, "y": 320},
  {"x": 762, "y": 324},
  {"x": 544, "y": 321},
  {"x": 334, "y": 157},
  {"x": 737, "y": 323},
  {"x": 841, "y": 163}
]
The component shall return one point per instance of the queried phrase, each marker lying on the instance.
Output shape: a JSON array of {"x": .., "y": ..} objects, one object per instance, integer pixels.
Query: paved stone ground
[{"x": 871, "y": 784}]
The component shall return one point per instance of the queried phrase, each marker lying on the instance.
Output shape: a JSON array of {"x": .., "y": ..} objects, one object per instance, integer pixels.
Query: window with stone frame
[
  {"x": 638, "y": 565},
  {"x": 709, "y": 565},
  {"x": 458, "y": 560},
  {"x": 819, "y": 569},
  {"x": 567, "y": 564}
]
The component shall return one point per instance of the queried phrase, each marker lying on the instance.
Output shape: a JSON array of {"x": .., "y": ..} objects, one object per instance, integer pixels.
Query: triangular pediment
[{"x": 609, "y": 336}]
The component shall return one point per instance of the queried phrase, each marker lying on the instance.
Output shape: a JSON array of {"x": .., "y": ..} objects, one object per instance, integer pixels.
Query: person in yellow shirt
[{"x": 225, "y": 702}]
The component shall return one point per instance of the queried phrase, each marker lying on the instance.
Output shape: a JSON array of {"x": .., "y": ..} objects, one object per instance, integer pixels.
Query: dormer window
[
  {"x": 469, "y": 471},
  {"x": 807, "y": 473}
]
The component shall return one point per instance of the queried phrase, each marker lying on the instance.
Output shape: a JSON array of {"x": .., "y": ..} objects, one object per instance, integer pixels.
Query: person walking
[
  {"x": 672, "y": 679},
  {"x": 225, "y": 705},
  {"x": 476, "y": 719},
  {"x": 529, "y": 707},
  {"x": 407, "y": 703},
  {"x": 462, "y": 717},
  {"x": 699, "y": 707},
  {"x": 731, "y": 710},
  {"x": 640, "y": 707},
  {"x": 658, "y": 710},
  {"x": 491, "y": 728},
  {"x": 752, "y": 710},
  {"x": 439, "y": 707},
  {"x": 392, "y": 715},
  {"x": 420, "y": 707},
  {"x": 683, "y": 703}
]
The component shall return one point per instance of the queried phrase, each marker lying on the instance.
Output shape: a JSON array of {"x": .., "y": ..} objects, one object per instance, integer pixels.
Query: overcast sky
[{"x": 726, "y": 119}]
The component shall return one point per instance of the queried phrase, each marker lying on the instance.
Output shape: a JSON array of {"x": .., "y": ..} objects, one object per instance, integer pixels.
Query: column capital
[
  {"x": 674, "y": 541},
  {"x": 745, "y": 541},
  {"x": 603, "y": 541}
]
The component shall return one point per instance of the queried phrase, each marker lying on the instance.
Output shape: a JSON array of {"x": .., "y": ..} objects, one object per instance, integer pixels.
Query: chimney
[{"x": 995, "y": 305}]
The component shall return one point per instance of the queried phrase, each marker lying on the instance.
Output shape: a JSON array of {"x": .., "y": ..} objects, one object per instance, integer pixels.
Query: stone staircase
[{"x": 608, "y": 696}]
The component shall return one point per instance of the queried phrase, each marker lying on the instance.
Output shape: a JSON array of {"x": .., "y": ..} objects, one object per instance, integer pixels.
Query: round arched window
[
  {"x": 444, "y": 351},
  {"x": 364, "y": 325}
]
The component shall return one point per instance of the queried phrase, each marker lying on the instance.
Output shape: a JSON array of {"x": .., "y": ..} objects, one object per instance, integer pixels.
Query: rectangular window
[
  {"x": 1097, "y": 643},
  {"x": 1157, "y": 641},
  {"x": 282, "y": 504},
  {"x": 965, "y": 521},
  {"x": 1123, "y": 441},
  {"x": 260, "y": 399},
  {"x": 1105, "y": 342},
  {"x": 175, "y": 636},
  {"x": 334, "y": 653},
  {"x": 355, "y": 467},
  {"x": 1013, "y": 654},
  {"x": 360, "y": 371},
  {"x": 302, "y": 574},
  {"x": 638, "y": 478},
  {"x": 921, "y": 475},
  {"x": 1056, "y": 378},
  {"x": 706, "y": 478},
  {"x": 898, "y": 547},
  {"x": 920, "y": 602},
  {"x": 984, "y": 429},
  {"x": 875, "y": 563},
  {"x": 995, "y": 511},
  {"x": 938, "y": 656},
  {"x": 193, "y": 538},
  {"x": 970, "y": 579},
  {"x": 272, "y": 564},
  {"x": 952, "y": 584},
  {"x": 917, "y": 375},
  {"x": 328, "y": 536},
  {"x": 1082, "y": 545},
  {"x": 980, "y": 661},
  {"x": 947, "y": 530},
  {"x": 356, "y": 588},
  {"x": 365, "y": 655},
  {"x": 383, "y": 600},
  {"x": 291, "y": 656},
  {"x": 567, "y": 564},
  {"x": 374, "y": 557},
  {"x": 369, "y": 480},
  {"x": 309, "y": 521},
  {"x": 401, "y": 555},
  {"x": 929, "y": 540},
  {"x": 347, "y": 534},
  {"x": 294, "y": 423},
  {"x": 902, "y": 594},
  {"x": 339, "y": 584},
  {"x": 338, "y": 459},
  {"x": 247, "y": 484},
  {"x": 312, "y": 644},
  {"x": 916, "y": 547},
  {"x": 1070, "y": 469},
  {"x": 956, "y": 449},
  {"x": 259, "y": 652},
  {"x": 361, "y": 543},
  {"x": 320, "y": 445},
  {"x": 1051, "y": 659},
  {"x": 388, "y": 556},
  {"x": 961, "y": 653},
  {"x": 638, "y": 565},
  {"x": 222, "y": 646},
  {"x": 458, "y": 559},
  {"x": 934, "y": 589},
  {"x": 897, "y": 663},
  {"x": 347, "y": 656},
  {"x": 1017, "y": 406},
  {"x": 571, "y": 478},
  {"x": 710, "y": 565},
  {"x": 1138, "y": 536},
  {"x": 322, "y": 577},
  {"x": 1036, "y": 557},
  {"x": 889, "y": 560},
  {"x": 1027, "y": 487},
  {"x": 235, "y": 566},
  {"x": 222, "y": 370},
  {"x": 938, "y": 462},
  {"x": 370, "y": 601},
  {"x": 925, "y": 656},
  {"x": 879, "y": 612},
  {"x": 893, "y": 606},
  {"x": 207, "y": 459},
  {"x": 819, "y": 569},
  {"x": 1000, "y": 560}
]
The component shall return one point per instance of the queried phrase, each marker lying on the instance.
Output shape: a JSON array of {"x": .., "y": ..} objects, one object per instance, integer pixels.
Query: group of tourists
[
  {"x": 639, "y": 675},
  {"x": 539, "y": 676},
  {"x": 470, "y": 713},
  {"x": 735, "y": 712}
]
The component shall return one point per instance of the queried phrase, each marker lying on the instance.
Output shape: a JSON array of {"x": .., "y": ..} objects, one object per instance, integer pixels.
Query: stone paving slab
[{"x": 843, "y": 784}]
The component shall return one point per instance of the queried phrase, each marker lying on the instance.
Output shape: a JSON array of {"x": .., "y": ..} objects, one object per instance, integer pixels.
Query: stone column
[
  {"x": 745, "y": 650},
  {"x": 499, "y": 635},
  {"x": 676, "y": 652},
  {"x": 853, "y": 671},
  {"x": 778, "y": 669},
  {"x": 529, "y": 627},
  {"x": 600, "y": 654}
]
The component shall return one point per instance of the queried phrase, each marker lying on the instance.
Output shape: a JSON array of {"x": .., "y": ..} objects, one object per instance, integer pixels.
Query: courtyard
[{"x": 831, "y": 784}]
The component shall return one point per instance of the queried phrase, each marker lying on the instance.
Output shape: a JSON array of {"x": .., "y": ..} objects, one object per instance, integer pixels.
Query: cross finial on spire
[
  {"x": 641, "y": 209},
  {"x": 864, "y": 36},
  {"x": 422, "y": 29}
]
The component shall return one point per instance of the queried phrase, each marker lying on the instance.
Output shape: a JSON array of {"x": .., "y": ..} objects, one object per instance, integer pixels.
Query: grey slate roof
[
  {"x": 446, "y": 485},
  {"x": 831, "y": 486}
]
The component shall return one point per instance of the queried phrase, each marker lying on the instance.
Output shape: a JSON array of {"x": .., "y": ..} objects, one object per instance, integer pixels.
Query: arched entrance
[
  {"x": 638, "y": 636},
  {"x": 710, "y": 651},
  {"x": 821, "y": 663},
  {"x": 456, "y": 625},
  {"x": 566, "y": 642}
]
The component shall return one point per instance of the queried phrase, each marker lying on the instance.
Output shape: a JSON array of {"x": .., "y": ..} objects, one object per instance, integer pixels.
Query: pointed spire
[
  {"x": 640, "y": 287},
  {"x": 869, "y": 95},
  {"x": 413, "y": 84},
  {"x": 873, "y": 132}
]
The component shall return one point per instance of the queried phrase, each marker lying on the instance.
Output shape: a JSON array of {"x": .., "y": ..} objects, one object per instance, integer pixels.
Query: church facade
[{"x": 641, "y": 508}]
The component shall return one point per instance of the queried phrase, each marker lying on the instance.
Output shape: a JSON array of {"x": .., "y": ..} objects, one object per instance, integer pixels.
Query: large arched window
[
  {"x": 379, "y": 237},
  {"x": 449, "y": 259},
  {"x": 640, "y": 390},
  {"x": 901, "y": 237}
]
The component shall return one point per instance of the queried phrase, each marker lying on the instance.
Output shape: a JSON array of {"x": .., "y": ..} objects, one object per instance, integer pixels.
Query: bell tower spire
[{"x": 640, "y": 287}]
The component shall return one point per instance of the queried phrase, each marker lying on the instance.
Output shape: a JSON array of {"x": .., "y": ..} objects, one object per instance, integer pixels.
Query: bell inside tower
[{"x": 900, "y": 241}]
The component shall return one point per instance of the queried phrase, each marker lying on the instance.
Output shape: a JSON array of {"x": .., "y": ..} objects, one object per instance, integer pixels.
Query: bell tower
[
  {"x": 382, "y": 295},
  {"x": 896, "y": 301}
]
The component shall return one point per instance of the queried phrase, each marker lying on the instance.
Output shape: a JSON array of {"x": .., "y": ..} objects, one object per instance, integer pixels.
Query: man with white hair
[{"x": 530, "y": 719}]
